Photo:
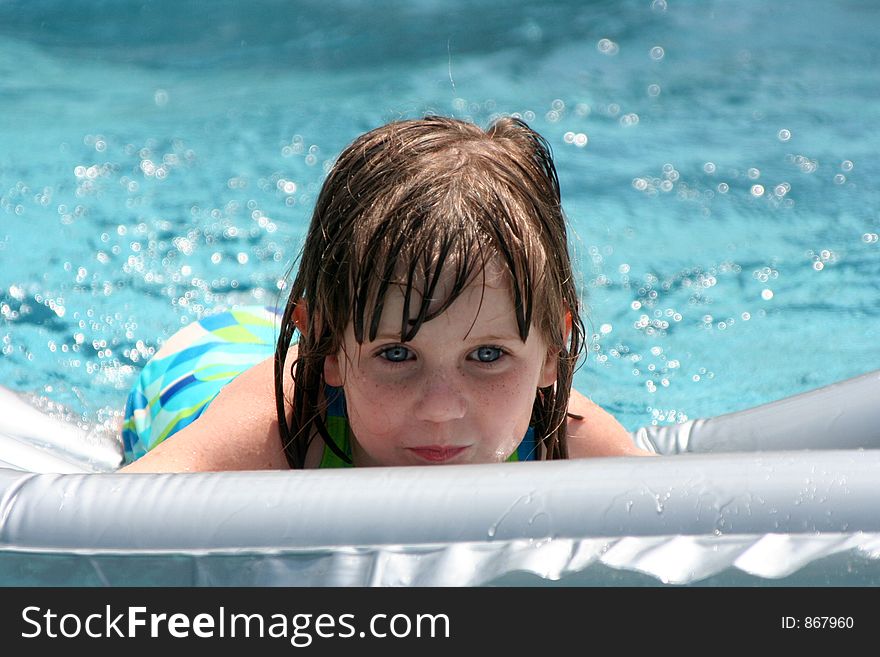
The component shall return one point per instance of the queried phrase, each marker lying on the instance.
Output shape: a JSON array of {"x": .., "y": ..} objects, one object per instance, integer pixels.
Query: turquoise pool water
[{"x": 718, "y": 161}]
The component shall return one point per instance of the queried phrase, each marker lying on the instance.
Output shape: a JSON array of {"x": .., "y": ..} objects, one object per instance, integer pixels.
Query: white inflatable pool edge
[
  {"x": 842, "y": 415},
  {"x": 675, "y": 520},
  {"x": 37, "y": 441}
]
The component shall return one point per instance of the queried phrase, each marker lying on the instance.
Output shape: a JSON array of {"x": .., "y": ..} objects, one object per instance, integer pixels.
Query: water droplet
[
  {"x": 784, "y": 134},
  {"x": 757, "y": 190},
  {"x": 657, "y": 53},
  {"x": 607, "y": 47}
]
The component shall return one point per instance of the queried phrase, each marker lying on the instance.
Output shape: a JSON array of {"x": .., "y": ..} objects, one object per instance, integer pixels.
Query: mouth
[{"x": 435, "y": 453}]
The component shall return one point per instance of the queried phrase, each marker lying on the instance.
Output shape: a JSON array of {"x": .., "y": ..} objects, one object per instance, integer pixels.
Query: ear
[
  {"x": 332, "y": 371},
  {"x": 301, "y": 316},
  {"x": 549, "y": 371},
  {"x": 551, "y": 364}
]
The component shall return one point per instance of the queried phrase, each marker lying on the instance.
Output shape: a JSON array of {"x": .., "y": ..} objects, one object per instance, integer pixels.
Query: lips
[{"x": 436, "y": 453}]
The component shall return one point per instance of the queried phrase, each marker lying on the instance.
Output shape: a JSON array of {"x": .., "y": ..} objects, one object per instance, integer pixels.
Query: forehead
[{"x": 485, "y": 301}]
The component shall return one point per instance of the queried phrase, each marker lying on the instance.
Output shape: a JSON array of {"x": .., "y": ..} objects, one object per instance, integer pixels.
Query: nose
[{"x": 442, "y": 399}]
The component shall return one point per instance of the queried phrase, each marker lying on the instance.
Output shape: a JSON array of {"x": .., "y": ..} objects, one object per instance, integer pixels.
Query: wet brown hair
[{"x": 403, "y": 203}]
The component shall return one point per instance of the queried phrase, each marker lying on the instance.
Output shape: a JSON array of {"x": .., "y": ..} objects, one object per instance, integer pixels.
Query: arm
[
  {"x": 238, "y": 431},
  {"x": 598, "y": 433}
]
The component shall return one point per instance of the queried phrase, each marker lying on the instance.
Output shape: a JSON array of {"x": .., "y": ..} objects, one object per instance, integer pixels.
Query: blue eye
[
  {"x": 488, "y": 354},
  {"x": 396, "y": 354}
]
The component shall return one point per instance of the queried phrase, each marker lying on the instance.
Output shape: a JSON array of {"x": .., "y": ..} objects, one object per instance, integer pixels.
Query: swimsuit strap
[{"x": 337, "y": 426}]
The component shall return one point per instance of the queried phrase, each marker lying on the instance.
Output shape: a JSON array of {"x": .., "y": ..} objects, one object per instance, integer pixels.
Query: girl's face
[{"x": 460, "y": 392}]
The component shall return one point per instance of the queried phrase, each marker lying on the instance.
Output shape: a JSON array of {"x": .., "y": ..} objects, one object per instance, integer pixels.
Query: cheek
[
  {"x": 376, "y": 406},
  {"x": 378, "y": 388},
  {"x": 505, "y": 409},
  {"x": 508, "y": 403}
]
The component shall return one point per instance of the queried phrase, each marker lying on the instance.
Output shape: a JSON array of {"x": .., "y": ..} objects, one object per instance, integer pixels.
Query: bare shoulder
[
  {"x": 238, "y": 431},
  {"x": 598, "y": 433}
]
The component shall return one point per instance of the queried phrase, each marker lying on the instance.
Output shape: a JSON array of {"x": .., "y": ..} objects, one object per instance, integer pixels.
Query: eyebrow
[{"x": 512, "y": 337}]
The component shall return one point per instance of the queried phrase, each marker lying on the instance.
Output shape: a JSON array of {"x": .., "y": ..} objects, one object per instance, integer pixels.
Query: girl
[{"x": 437, "y": 320}]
